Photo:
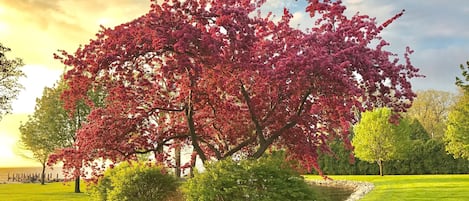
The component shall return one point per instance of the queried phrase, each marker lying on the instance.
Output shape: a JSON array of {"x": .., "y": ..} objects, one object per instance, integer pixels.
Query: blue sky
[
  {"x": 34, "y": 29},
  {"x": 436, "y": 30}
]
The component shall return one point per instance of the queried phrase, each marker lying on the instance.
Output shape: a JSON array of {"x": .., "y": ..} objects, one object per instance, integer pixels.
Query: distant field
[
  {"x": 37, "y": 192},
  {"x": 413, "y": 187}
]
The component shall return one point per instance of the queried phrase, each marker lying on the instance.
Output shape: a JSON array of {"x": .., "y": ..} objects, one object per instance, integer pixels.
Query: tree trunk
[
  {"x": 43, "y": 174},
  {"x": 77, "y": 185},
  {"x": 177, "y": 157},
  {"x": 380, "y": 164},
  {"x": 193, "y": 162}
]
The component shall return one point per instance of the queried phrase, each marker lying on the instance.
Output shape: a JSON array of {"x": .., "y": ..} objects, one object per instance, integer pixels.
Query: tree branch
[
  {"x": 273, "y": 106},
  {"x": 192, "y": 133},
  {"x": 240, "y": 146},
  {"x": 175, "y": 137},
  {"x": 220, "y": 132},
  {"x": 213, "y": 148},
  {"x": 222, "y": 140},
  {"x": 252, "y": 114},
  {"x": 262, "y": 148},
  {"x": 167, "y": 109}
]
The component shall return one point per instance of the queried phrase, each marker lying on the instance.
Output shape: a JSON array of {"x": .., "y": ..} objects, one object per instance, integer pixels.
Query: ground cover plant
[
  {"x": 413, "y": 187},
  {"x": 36, "y": 192}
]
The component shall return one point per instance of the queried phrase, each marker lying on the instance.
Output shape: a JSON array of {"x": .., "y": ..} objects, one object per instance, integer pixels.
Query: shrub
[
  {"x": 136, "y": 181},
  {"x": 269, "y": 178}
]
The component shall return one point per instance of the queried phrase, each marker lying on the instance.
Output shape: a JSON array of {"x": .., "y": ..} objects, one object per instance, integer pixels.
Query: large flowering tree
[{"x": 214, "y": 76}]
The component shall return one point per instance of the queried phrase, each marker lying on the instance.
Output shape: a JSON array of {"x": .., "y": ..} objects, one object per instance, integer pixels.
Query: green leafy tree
[
  {"x": 426, "y": 156},
  {"x": 377, "y": 139},
  {"x": 48, "y": 128},
  {"x": 341, "y": 162},
  {"x": 457, "y": 133},
  {"x": 418, "y": 132},
  {"x": 10, "y": 73},
  {"x": 34, "y": 145},
  {"x": 431, "y": 109},
  {"x": 52, "y": 126}
]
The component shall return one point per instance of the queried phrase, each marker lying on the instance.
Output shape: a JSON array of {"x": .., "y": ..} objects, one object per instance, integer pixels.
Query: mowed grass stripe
[
  {"x": 38, "y": 192},
  {"x": 413, "y": 187}
]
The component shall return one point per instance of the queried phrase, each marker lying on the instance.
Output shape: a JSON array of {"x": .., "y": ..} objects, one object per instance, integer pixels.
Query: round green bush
[
  {"x": 266, "y": 179},
  {"x": 135, "y": 182}
]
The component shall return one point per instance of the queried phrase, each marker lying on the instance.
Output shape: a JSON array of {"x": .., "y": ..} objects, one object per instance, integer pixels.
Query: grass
[
  {"x": 37, "y": 192},
  {"x": 413, "y": 187},
  {"x": 389, "y": 187}
]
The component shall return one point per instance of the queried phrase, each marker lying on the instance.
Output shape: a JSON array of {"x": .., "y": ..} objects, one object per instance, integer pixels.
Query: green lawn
[
  {"x": 389, "y": 187},
  {"x": 413, "y": 187},
  {"x": 37, "y": 192}
]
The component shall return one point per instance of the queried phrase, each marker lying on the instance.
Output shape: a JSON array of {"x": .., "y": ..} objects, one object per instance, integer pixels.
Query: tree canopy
[
  {"x": 49, "y": 127},
  {"x": 10, "y": 72},
  {"x": 457, "y": 132},
  {"x": 377, "y": 139},
  {"x": 52, "y": 127},
  {"x": 431, "y": 108},
  {"x": 214, "y": 76}
]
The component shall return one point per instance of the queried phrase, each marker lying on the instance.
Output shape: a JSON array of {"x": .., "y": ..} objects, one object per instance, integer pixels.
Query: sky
[{"x": 35, "y": 29}]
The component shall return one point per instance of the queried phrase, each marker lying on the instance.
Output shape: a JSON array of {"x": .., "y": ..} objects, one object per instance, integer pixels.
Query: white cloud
[
  {"x": 353, "y": 1},
  {"x": 301, "y": 20}
]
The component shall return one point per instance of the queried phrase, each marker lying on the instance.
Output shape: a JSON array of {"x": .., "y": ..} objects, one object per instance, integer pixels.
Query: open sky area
[{"x": 35, "y": 29}]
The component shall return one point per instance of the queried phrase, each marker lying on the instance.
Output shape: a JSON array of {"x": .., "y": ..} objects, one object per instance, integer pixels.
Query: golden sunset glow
[
  {"x": 9, "y": 136},
  {"x": 36, "y": 29}
]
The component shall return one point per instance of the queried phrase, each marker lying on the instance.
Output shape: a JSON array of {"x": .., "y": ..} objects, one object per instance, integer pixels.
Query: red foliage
[{"x": 206, "y": 73}]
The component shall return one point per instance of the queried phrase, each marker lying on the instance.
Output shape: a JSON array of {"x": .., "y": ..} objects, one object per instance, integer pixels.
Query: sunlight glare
[
  {"x": 4, "y": 28},
  {"x": 104, "y": 21},
  {"x": 6, "y": 149}
]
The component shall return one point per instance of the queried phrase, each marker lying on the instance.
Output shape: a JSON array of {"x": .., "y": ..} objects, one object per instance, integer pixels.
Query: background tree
[
  {"x": 378, "y": 140},
  {"x": 10, "y": 72},
  {"x": 426, "y": 156},
  {"x": 341, "y": 163},
  {"x": 431, "y": 109},
  {"x": 225, "y": 81},
  {"x": 34, "y": 145},
  {"x": 48, "y": 128},
  {"x": 52, "y": 126},
  {"x": 457, "y": 133},
  {"x": 418, "y": 132}
]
